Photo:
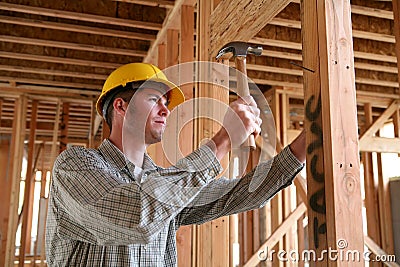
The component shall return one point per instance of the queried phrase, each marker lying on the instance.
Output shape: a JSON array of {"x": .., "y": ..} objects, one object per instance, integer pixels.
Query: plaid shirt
[{"x": 100, "y": 215}]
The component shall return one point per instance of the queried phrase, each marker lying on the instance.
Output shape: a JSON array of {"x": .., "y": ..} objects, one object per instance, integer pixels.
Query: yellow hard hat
[{"x": 135, "y": 72}]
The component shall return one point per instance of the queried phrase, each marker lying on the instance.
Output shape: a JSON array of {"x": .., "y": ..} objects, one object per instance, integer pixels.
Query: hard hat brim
[{"x": 176, "y": 95}]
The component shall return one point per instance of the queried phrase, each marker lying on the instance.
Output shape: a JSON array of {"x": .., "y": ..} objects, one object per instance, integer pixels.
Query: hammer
[{"x": 239, "y": 50}]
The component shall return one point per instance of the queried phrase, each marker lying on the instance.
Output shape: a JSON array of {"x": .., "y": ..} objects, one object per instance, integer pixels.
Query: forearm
[
  {"x": 220, "y": 144},
  {"x": 249, "y": 192}
]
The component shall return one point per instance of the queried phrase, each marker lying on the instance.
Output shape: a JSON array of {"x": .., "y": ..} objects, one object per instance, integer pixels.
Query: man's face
[{"x": 148, "y": 113}]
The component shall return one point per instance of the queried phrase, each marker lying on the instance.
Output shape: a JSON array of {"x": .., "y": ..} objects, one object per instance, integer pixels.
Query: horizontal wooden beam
[
  {"x": 380, "y": 144},
  {"x": 296, "y": 72},
  {"x": 74, "y": 46},
  {"x": 378, "y": 99},
  {"x": 54, "y": 72},
  {"x": 77, "y": 28},
  {"x": 79, "y": 16},
  {"x": 372, "y": 12},
  {"x": 298, "y": 46},
  {"x": 250, "y": 17},
  {"x": 55, "y": 84},
  {"x": 60, "y": 60},
  {"x": 159, "y": 3},
  {"x": 296, "y": 24},
  {"x": 366, "y": 11},
  {"x": 357, "y": 65}
]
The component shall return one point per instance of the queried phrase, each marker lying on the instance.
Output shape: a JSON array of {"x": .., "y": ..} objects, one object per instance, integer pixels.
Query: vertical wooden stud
[
  {"x": 17, "y": 148},
  {"x": 64, "y": 126},
  {"x": 186, "y": 54},
  {"x": 5, "y": 155},
  {"x": 331, "y": 123},
  {"x": 385, "y": 209},
  {"x": 370, "y": 184},
  {"x": 27, "y": 210},
  {"x": 203, "y": 232}
]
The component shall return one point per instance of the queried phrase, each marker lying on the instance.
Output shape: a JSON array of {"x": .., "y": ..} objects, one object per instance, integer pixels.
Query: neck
[{"x": 133, "y": 149}]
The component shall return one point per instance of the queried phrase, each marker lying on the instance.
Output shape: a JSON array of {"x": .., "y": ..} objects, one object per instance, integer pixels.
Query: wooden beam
[
  {"x": 377, "y": 250},
  {"x": 277, "y": 235},
  {"x": 298, "y": 46},
  {"x": 79, "y": 16},
  {"x": 64, "y": 125},
  {"x": 331, "y": 123},
  {"x": 5, "y": 184},
  {"x": 93, "y": 126},
  {"x": 62, "y": 60},
  {"x": 48, "y": 92},
  {"x": 296, "y": 72},
  {"x": 77, "y": 28},
  {"x": 186, "y": 145},
  {"x": 27, "y": 210},
  {"x": 380, "y": 144},
  {"x": 53, "y": 83},
  {"x": 396, "y": 31},
  {"x": 54, "y": 72},
  {"x": 370, "y": 186},
  {"x": 379, "y": 122},
  {"x": 396, "y": 124},
  {"x": 71, "y": 45},
  {"x": 159, "y": 3},
  {"x": 295, "y": 24},
  {"x": 171, "y": 22},
  {"x": 276, "y": 201},
  {"x": 366, "y": 11},
  {"x": 372, "y": 12},
  {"x": 250, "y": 16},
  {"x": 385, "y": 208},
  {"x": 17, "y": 148}
]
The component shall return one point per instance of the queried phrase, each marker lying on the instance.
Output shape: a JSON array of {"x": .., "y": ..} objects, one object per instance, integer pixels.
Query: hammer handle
[{"x": 243, "y": 90}]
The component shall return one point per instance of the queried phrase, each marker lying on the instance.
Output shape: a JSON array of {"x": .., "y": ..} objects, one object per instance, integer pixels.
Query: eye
[{"x": 154, "y": 99}]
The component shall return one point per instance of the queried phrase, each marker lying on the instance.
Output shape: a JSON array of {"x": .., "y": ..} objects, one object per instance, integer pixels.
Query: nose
[{"x": 164, "y": 111}]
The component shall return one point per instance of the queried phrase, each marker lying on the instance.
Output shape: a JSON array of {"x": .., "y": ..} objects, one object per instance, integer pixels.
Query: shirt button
[{"x": 211, "y": 173}]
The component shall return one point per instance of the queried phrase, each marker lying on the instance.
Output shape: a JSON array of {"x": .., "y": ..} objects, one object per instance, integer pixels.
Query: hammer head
[{"x": 236, "y": 49}]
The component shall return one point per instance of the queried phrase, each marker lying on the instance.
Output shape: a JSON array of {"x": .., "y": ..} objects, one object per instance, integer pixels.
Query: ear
[{"x": 120, "y": 106}]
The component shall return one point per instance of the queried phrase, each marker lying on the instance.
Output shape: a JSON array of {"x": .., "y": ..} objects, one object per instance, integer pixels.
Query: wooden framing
[
  {"x": 5, "y": 145},
  {"x": 334, "y": 190},
  {"x": 77, "y": 28},
  {"x": 396, "y": 16},
  {"x": 79, "y": 16},
  {"x": 17, "y": 141},
  {"x": 27, "y": 209},
  {"x": 75, "y": 46},
  {"x": 186, "y": 145},
  {"x": 250, "y": 18},
  {"x": 69, "y": 70},
  {"x": 371, "y": 192}
]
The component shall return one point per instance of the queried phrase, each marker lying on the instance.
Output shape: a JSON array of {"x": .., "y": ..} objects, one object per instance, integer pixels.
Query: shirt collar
[{"x": 115, "y": 157}]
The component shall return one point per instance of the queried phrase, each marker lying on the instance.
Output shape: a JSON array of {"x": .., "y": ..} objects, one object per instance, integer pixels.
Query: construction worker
[{"x": 113, "y": 206}]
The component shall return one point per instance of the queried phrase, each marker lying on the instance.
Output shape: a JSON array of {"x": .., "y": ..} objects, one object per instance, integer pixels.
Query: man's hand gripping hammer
[{"x": 239, "y": 50}]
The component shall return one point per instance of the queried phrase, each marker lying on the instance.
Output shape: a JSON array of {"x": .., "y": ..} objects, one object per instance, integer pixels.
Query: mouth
[{"x": 162, "y": 122}]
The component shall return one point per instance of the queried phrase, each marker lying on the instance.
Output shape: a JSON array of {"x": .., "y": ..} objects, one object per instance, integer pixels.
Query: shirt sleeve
[
  {"x": 94, "y": 204},
  {"x": 224, "y": 196}
]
